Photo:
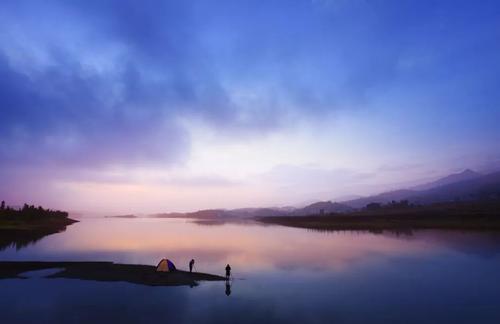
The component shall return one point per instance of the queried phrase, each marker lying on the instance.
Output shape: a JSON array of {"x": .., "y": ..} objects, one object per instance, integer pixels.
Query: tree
[
  {"x": 373, "y": 206},
  {"x": 2, "y": 206}
]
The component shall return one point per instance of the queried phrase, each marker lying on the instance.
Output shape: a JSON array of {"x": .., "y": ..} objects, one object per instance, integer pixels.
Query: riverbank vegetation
[
  {"x": 477, "y": 215},
  {"x": 23, "y": 226}
]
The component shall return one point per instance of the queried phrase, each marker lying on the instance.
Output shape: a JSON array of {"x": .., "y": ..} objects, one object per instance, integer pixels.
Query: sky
[{"x": 118, "y": 106}]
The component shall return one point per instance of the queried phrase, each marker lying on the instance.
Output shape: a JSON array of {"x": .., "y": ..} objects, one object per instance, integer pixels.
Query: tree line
[{"x": 29, "y": 211}]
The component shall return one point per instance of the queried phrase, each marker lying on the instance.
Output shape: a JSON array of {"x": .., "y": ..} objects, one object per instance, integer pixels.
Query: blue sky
[{"x": 121, "y": 106}]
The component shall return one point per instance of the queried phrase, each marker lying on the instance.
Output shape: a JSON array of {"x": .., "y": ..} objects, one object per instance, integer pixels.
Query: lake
[{"x": 281, "y": 275}]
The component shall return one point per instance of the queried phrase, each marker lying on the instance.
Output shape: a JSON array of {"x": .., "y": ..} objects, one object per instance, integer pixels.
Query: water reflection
[
  {"x": 290, "y": 275},
  {"x": 19, "y": 239},
  {"x": 247, "y": 247}
]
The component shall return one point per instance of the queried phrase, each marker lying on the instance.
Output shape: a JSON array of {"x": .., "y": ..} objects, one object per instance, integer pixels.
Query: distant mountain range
[
  {"x": 230, "y": 213},
  {"x": 316, "y": 208},
  {"x": 452, "y": 178},
  {"x": 322, "y": 206},
  {"x": 465, "y": 186}
]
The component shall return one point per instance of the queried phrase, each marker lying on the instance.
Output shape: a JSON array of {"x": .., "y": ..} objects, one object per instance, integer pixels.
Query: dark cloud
[
  {"x": 96, "y": 83},
  {"x": 68, "y": 111},
  {"x": 64, "y": 113}
]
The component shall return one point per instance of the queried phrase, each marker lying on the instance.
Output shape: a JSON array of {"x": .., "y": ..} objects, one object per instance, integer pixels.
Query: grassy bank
[{"x": 454, "y": 216}]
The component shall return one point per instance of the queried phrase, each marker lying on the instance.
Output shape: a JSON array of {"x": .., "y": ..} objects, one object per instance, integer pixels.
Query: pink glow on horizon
[{"x": 252, "y": 247}]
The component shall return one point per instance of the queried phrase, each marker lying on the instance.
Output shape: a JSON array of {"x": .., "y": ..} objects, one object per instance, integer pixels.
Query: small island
[{"x": 20, "y": 227}]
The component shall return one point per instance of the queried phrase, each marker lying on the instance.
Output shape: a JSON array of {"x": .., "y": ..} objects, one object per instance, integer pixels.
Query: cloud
[
  {"x": 108, "y": 84},
  {"x": 293, "y": 183},
  {"x": 107, "y": 81},
  {"x": 98, "y": 84}
]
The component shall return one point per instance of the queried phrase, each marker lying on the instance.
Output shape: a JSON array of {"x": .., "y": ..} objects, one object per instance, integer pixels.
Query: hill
[
  {"x": 467, "y": 186},
  {"x": 464, "y": 186},
  {"x": 322, "y": 207},
  {"x": 452, "y": 178},
  {"x": 471, "y": 215},
  {"x": 480, "y": 188},
  {"x": 247, "y": 213},
  {"x": 383, "y": 198}
]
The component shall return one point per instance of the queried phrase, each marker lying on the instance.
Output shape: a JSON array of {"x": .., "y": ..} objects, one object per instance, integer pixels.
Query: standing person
[
  {"x": 228, "y": 272},
  {"x": 191, "y": 264}
]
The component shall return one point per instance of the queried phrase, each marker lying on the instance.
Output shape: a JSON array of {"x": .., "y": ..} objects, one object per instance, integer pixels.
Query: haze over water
[{"x": 280, "y": 275}]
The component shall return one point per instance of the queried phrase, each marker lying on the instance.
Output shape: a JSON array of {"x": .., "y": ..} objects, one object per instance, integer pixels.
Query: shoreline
[
  {"x": 477, "y": 216},
  {"x": 107, "y": 272},
  {"x": 20, "y": 232}
]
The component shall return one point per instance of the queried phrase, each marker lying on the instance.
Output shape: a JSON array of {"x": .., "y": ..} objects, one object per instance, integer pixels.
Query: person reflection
[{"x": 228, "y": 287}]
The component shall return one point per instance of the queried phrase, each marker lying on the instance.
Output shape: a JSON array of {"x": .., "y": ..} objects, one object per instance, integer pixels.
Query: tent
[{"x": 165, "y": 265}]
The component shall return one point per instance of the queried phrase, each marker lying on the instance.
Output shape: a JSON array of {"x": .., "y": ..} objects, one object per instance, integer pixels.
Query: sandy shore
[{"x": 108, "y": 271}]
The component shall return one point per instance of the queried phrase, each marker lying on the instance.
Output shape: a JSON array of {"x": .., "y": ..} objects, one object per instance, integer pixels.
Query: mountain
[
  {"x": 327, "y": 207},
  {"x": 200, "y": 214},
  {"x": 242, "y": 213},
  {"x": 208, "y": 214},
  {"x": 256, "y": 212},
  {"x": 347, "y": 197},
  {"x": 467, "y": 185},
  {"x": 452, "y": 178},
  {"x": 383, "y": 198},
  {"x": 482, "y": 187}
]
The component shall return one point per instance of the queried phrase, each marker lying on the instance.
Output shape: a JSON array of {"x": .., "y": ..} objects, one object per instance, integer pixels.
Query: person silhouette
[
  {"x": 228, "y": 272},
  {"x": 228, "y": 288},
  {"x": 191, "y": 264}
]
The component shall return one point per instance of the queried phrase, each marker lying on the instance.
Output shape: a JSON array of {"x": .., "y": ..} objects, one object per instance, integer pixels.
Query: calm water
[{"x": 282, "y": 275}]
